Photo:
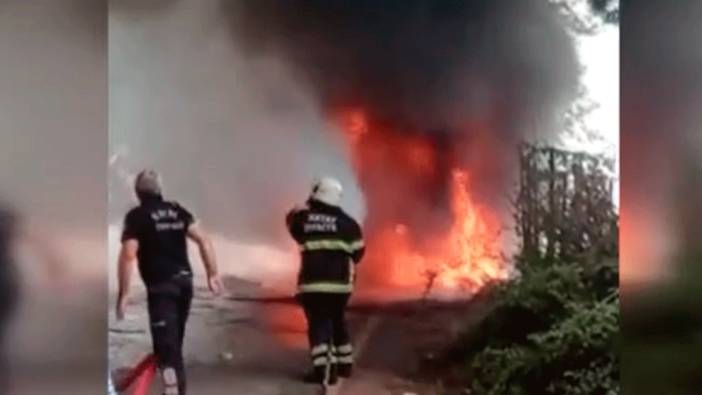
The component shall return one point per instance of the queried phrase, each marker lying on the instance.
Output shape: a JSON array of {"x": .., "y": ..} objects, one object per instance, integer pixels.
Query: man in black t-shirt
[{"x": 155, "y": 233}]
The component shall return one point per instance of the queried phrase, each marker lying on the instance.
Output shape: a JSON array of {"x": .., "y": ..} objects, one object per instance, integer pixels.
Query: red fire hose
[{"x": 141, "y": 375}]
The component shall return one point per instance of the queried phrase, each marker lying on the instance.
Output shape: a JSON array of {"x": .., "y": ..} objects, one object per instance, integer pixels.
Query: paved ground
[{"x": 252, "y": 344}]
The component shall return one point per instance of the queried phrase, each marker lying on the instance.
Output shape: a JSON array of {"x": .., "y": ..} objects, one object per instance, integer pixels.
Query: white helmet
[{"x": 327, "y": 190}]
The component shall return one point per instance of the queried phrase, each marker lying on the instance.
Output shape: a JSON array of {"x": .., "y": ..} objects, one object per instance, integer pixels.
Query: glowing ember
[{"x": 401, "y": 175}]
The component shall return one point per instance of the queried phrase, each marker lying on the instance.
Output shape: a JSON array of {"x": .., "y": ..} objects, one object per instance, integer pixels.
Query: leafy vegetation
[
  {"x": 553, "y": 329},
  {"x": 550, "y": 332}
]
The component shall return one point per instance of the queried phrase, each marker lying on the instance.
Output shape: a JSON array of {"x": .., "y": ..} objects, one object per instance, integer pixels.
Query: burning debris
[
  {"x": 420, "y": 91},
  {"x": 432, "y": 98},
  {"x": 414, "y": 237}
]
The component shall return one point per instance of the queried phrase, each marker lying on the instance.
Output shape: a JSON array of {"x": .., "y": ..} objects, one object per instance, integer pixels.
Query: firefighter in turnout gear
[
  {"x": 331, "y": 245},
  {"x": 155, "y": 233}
]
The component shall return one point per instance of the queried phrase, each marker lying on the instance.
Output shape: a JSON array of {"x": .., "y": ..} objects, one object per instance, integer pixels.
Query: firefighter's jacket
[{"x": 331, "y": 244}]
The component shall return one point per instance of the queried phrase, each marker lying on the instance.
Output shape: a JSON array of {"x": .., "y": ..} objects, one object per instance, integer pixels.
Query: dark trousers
[
  {"x": 169, "y": 307},
  {"x": 330, "y": 342}
]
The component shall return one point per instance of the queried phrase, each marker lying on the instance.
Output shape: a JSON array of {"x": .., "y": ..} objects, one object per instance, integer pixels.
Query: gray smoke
[
  {"x": 231, "y": 99},
  {"x": 419, "y": 65},
  {"x": 474, "y": 77},
  {"x": 237, "y": 141}
]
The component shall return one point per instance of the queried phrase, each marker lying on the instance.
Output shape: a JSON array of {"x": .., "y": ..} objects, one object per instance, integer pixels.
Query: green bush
[{"x": 553, "y": 330}]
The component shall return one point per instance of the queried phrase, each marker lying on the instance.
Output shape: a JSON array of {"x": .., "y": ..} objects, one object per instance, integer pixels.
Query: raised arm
[
  {"x": 207, "y": 255},
  {"x": 293, "y": 221}
]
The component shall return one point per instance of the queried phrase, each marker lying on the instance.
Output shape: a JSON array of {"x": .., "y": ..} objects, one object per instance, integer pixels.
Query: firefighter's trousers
[{"x": 330, "y": 343}]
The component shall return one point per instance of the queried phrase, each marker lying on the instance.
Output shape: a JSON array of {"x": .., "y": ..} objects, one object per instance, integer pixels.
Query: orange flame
[
  {"x": 463, "y": 257},
  {"x": 472, "y": 254}
]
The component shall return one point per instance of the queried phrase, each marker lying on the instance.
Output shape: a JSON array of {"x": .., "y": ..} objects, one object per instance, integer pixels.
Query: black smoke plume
[
  {"x": 222, "y": 95},
  {"x": 474, "y": 77},
  {"x": 419, "y": 65}
]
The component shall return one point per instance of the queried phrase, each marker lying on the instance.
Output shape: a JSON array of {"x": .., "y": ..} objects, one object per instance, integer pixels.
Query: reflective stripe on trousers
[{"x": 344, "y": 354}]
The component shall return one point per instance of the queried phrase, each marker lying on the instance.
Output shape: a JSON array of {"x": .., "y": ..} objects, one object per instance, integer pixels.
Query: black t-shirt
[{"x": 161, "y": 228}]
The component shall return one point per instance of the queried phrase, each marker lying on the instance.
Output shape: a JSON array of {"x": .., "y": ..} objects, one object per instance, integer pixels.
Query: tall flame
[{"x": 461, "y": 256}]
